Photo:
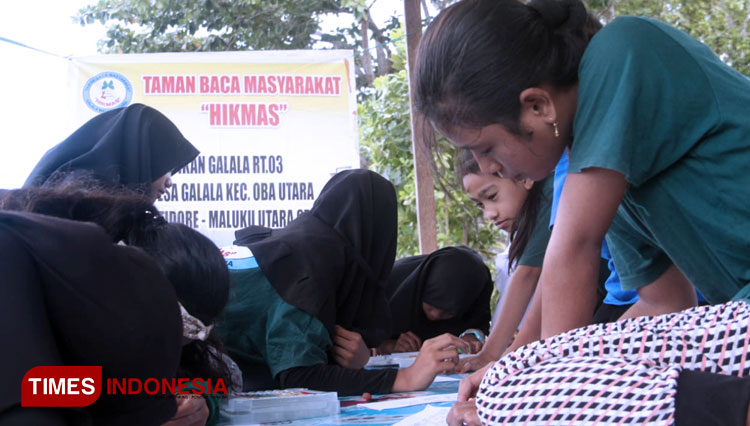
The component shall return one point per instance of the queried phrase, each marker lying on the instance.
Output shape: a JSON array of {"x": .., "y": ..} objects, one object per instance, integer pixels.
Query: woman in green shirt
[
  {"x": 657, "y": 128},
  {"x": 658, "y": 134}
]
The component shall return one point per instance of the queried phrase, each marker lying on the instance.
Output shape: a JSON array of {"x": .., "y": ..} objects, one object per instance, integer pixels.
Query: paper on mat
[
  {"x": 430, "y": 416},
  {"x": 408, "y": 402},
  {"x": 441, "y": 378}
]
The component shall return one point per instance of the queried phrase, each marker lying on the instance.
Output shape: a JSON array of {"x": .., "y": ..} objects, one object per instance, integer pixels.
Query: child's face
[
  {"x": 498, "y": 151},
  {"x": 499, "y": 198}
]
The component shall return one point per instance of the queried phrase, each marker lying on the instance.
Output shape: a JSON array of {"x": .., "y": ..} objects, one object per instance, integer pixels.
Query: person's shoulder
[
  {"x": 627, "y": 30},
  {"x": 633, "y": 30},
  {"x": 628, "y": 41},
  {"x": 628, "y": 23}
]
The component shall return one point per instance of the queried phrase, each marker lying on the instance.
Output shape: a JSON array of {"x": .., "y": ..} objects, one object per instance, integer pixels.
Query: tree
[
  {"x": 145, "y": 26},
  {"x": 219, "y": 25}
]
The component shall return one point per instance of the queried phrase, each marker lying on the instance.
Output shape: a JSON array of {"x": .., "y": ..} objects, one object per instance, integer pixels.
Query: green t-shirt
[
  {"x": 661, "y": 108},
  {"x": 258, "y": 327},
  {"x": 533, "y": 253}
]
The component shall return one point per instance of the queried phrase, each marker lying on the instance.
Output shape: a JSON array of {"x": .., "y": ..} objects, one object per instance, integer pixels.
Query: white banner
[{"x": 272, "y": 127}]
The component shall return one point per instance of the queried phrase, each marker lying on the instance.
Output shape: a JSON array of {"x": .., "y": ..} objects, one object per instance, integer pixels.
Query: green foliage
[
  {"x": 721, "y": 24},
  {"x": 138, "y": 26}
]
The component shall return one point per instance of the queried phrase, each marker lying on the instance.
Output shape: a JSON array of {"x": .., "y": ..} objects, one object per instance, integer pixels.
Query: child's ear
[{"x": 527, "y": 183}]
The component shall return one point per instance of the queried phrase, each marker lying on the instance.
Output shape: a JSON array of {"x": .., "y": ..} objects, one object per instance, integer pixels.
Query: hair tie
[
  {"x": 192, "y": 327},
  {"x": 551, "y": 11}
]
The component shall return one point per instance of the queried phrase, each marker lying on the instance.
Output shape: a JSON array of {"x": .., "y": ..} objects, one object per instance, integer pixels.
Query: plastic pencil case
[{"x": 279, "y": 405}]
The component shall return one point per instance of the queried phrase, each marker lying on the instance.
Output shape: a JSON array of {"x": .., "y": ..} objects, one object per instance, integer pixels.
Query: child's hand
[
  {"x": 192, "y": 410},
  {"x": 349, "y": 349},
  {"x": 408, "y": 342},
  {"x": 438, "y": 355}
]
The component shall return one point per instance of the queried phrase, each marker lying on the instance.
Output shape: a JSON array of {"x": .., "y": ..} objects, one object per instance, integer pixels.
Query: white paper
[
  {"x": 441, "y": 378},
  {"x": 408, "y": 402},
  {"x": 400, "y": 359},
  {"x": 430, "y": 416}
]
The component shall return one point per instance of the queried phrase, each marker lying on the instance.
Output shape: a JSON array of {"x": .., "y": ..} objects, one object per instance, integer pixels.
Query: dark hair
[
  {"x": 526, "y": 220},
  {"x": 477, "y": 56},
  {"x": 191, "y": 261},
  {"x": 467, "y": 164},
  {"x": 193, "y": 264},
  {"x": 79, "y": 196},
  {"x": 199, "y": 274}
]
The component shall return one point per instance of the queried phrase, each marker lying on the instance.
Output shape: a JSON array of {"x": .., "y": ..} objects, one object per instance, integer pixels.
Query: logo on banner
[{"x": 107, "y": 90}]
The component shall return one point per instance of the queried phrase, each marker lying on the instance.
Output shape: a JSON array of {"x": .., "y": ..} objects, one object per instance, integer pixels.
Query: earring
[{"x": 557, "y": 131}]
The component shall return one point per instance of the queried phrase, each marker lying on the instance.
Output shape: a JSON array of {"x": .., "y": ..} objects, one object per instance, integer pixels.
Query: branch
[
  {"x": 383, "y": 54},
  {"x": 425, "y": 10},
  {"x": 366, "y": 59}
]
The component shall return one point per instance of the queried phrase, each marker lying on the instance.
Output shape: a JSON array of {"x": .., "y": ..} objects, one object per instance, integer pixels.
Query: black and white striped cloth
[{"x": 615, "y": 373}]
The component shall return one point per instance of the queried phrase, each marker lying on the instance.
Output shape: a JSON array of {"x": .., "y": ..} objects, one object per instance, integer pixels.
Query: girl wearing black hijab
[
  {"x": 110, "y": 315},
  {"x": 447, "y": 291},
  {"x": 136, "y": 147},
  {"x": 318, "y": 297},
  {"x": 69, "y": 296}
]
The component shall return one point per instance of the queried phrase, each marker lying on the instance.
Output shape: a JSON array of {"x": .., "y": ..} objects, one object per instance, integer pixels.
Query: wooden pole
[{"x": 425, "y": 184}]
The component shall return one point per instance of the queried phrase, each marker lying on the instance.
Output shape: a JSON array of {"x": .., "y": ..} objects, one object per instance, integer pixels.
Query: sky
[{"x": 33, "y": 114}]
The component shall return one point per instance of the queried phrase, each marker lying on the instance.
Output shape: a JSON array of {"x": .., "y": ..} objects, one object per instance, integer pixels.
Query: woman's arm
[
  {"x": 520, "y": 289},
  {"x": 438, "y": 355},
  {"x": 571, "y": 264},
  {"x": 671, "y": 292},
  {"x": 334, "y": 378},
  {"x": 531, "y": 330}
]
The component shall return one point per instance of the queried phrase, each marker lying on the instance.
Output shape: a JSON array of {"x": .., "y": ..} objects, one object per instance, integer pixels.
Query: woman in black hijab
[
  {"x": 69, "y": 296},
  {"x": 333, "y": 262},
  {"x": 110, "y": 315},
  {"x": 446, "y": 291},
  {"x": 321, "y": 280},
  {"x": 136, "y": 147}
]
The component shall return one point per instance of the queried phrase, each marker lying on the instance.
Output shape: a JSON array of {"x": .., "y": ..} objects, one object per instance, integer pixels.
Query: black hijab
[
  {"x": 454, "y": 279},
  {"x": 130, "y": 146},
  {"x": 333, "y": 261},
  {"x": 69, "y": 296}
]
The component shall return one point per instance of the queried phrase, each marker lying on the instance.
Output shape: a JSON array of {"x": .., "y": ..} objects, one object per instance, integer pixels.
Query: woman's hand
[
  {"x": 476, "y": 344},
  {"x": 349, "y": 349},
  {"x": 407, "y": 342},
  {"x": 473, "y": 363},
  {"x": 463, "y": 413},
  {"x": 468, "y": 387},
  {"x": 386, "y": 347},
  {"x": 438, "y": 355},
  {"x": 192, "y": 410}
]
